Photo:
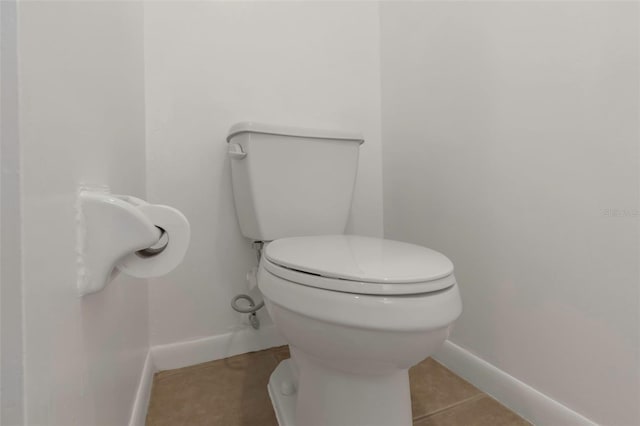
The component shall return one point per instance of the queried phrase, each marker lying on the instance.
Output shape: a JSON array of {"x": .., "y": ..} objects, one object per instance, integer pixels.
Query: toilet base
[
  {"x": 282, "y": 391},
  {"x": 330, "y": 397}
]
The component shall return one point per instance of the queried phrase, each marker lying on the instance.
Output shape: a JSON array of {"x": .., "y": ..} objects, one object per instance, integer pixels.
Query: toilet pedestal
[
  {"x": 283, "y": 393},
  {"x": 323, "y": 396}
]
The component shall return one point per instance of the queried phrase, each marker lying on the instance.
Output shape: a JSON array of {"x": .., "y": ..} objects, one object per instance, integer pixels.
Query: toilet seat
[{"x": 360, "y": 265}]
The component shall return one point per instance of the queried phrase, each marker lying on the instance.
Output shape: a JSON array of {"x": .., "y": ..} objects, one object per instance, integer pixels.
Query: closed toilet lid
[{"x": 359, "y": 264}]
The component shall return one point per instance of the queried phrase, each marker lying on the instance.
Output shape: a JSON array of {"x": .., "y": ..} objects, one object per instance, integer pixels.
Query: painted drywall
[
  {"x": 511, "y": 144},
  {"x": 211, "y": 64},
  {"x": 81, "y": 121},
  {"x": 11, "y": 360}
]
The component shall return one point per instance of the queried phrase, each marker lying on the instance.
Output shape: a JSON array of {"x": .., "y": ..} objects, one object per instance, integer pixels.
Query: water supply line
[{"x": 253, "y": 307}]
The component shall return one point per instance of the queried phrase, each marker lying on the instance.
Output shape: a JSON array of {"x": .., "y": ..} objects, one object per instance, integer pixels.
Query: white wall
[
  {"x": 510, "y": 135},
  {"x": 81, "y": 121},
  {"x": 11, "y": 360},
  {"x": 211, "y": 64}
]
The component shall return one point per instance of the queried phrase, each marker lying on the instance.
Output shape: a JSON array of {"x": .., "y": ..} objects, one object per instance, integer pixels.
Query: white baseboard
[
  {"x": 141, "y": 402},
  {"x": 532, "y": 405},
  {"x": 183, "y": 354}
]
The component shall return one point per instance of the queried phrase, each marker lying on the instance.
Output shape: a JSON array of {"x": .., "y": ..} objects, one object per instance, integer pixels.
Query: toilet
[{"x": 357, "y": 312}]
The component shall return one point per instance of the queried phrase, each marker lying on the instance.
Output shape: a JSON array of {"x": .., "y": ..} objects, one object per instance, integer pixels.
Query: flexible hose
[
  {"x": 253, "y": 308},
  {"x": 252, "y": 305}
]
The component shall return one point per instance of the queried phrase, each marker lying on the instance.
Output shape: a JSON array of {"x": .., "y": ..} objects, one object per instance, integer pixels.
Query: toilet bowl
[{"x": 357, "y": 313}]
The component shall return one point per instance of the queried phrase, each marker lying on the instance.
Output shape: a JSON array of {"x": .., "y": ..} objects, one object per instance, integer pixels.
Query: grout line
[
  {"x": 455, "y": 404},
  {"x": 207, "y": 364}
]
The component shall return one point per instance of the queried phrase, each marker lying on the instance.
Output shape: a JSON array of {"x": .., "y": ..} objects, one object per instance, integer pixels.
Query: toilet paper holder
[{"x": 111, "y": 228}]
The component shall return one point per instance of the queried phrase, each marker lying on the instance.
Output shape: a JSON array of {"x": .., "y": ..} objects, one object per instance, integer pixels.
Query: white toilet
[{"x": 356, "y": 311}]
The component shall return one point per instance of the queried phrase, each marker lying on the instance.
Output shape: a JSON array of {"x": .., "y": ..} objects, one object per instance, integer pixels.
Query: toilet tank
[{"x": 291, "y": 181}]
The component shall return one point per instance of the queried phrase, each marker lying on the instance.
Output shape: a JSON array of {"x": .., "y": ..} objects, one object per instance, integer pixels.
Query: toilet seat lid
[{"x": 378, "y": 266}]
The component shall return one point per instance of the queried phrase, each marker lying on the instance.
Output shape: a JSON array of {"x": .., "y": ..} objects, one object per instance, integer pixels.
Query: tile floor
[{"x": 233, "y": 392}]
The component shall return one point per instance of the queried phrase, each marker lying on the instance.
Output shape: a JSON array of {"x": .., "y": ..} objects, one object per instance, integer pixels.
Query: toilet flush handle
[{"x": 235, "y": 151}]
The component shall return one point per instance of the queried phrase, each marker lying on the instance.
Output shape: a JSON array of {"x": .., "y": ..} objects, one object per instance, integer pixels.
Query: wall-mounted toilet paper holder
[{"x": 121, "y": 232}]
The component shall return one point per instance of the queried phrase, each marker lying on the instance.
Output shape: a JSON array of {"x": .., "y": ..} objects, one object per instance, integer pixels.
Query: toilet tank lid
[{"x": 271, "y": 129}]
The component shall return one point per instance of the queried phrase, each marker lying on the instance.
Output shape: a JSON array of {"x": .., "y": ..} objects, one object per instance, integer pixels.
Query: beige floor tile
[
  {"x": 281, "y": 353},
  {"x": 434, "y": 387},
  {"x": 479, "y": 411},
  {"x": 233, "y": 392},
  {"x": 229, "y": 392},
  {"x": 169, "y": 404}
]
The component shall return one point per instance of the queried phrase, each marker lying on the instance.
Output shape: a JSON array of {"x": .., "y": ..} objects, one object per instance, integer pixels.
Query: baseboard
[
  {"x": 183, "y": 354},
  {"x": 141, "y": 401},
  {"x": 529, "y": 403}
]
